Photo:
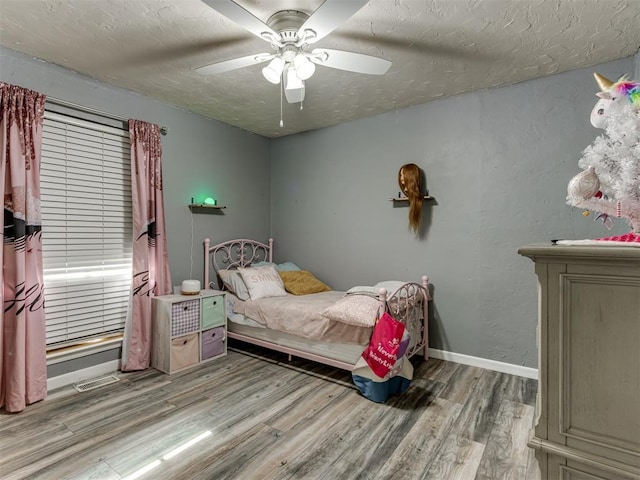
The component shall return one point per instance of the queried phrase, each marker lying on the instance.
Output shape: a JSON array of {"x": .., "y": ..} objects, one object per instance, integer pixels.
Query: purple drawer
[{"x": 213, "y": 342}]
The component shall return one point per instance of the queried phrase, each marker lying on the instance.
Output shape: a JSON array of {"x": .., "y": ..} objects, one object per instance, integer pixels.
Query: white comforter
[{"x": 301, "y": 315}]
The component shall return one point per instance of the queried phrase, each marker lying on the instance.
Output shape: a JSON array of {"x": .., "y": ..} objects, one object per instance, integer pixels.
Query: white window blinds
[{"x": 85, "y": 184}]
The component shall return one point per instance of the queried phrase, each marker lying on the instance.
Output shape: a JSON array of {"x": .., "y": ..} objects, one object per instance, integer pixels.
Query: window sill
[{"x": 83, "y": 349}]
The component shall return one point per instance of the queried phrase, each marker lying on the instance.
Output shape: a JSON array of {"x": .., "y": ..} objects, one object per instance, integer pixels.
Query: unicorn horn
[{"x": 604, "y": 83}]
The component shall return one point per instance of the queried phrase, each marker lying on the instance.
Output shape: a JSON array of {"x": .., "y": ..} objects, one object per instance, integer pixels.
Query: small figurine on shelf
[{"x": 410, "y": 181}]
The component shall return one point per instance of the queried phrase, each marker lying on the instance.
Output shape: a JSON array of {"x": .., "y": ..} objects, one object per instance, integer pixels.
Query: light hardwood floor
[{"x": 268, "y": 418}]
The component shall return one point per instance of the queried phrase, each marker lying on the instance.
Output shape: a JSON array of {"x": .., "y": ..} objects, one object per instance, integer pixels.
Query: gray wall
[
  {"x": 497, "y": 162},
  {"x": 200, "y": 156}
]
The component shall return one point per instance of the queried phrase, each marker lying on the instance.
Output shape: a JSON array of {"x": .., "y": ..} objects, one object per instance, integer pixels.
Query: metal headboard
[{"x": 233, "y": 254}]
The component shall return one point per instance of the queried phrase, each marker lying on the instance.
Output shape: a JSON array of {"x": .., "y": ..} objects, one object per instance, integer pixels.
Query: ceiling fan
[{"x": 291, "y": 34}]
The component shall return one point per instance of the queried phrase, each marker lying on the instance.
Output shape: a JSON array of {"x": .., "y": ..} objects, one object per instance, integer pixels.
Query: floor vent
[{"x": 95, "y": 383}]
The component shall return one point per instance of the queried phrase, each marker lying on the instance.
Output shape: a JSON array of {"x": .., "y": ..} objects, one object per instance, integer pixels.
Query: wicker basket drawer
[{"x": 185, "y": 317}]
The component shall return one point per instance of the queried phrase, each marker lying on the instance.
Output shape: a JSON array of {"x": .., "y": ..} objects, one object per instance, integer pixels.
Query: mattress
[{"x": 343, "y": 352}]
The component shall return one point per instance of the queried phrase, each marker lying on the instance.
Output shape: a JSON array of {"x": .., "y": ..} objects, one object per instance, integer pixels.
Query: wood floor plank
[
  {"x": 461, "y": 383},
  {"x": 481, "y": 407},
  {"x": 101, "y": 471},
  {"x": 381, "y": 441},
  {"x": 69, "y": 454},
  {"x": 275, "y": 419},
  {"x": 417, "y": 449},
  {"x": 307, "y": 407},
  {"x": 226, "y": 420},
  {"x": 437, "y": 369},
  {"x": 521, "y": 390},
  {"x": 458, "y": 459},
  {"x": 304, "y": 440},
  {"x": 506, "y": 451},
  {"x": 227, "y": 460}
]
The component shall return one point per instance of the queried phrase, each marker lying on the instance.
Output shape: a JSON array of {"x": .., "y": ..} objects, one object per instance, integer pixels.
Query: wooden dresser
[{"x": 588, "y": 404}]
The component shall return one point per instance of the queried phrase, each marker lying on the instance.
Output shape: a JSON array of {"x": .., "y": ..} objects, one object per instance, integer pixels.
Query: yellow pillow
[{"x": 302, "y": 282}]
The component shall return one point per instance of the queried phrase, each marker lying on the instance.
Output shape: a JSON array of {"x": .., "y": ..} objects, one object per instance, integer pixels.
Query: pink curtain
[
  {"x": 150, "y": 260},
  {"x": 23, "y": 350}
]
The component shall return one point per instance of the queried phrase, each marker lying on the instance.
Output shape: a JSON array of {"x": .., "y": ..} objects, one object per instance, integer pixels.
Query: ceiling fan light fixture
[
  {"x": 293, "y": 86},
  {"x": 273, "y": 71},
  {"x": 304, "y": 68}
]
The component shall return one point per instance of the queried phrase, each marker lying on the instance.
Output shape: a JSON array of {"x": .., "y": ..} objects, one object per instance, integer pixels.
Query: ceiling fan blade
[
  {"x": 421, "y": 47},
  {"x": 179, "y": 52},
  {"x": 329, "y": 16},
  {"x": 234, "y": 64},
  {"x": 242, "y": 17},
  {"x": 350, "y": 61}
]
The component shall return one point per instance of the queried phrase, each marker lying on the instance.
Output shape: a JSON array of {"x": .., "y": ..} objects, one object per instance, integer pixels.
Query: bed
[{"x": 319, "y": 324}]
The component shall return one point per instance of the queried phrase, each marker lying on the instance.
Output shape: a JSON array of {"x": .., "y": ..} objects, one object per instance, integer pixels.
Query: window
[{"x": 85, "y": 185}]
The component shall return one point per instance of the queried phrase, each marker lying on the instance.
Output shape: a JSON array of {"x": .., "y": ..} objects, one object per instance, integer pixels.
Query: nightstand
[{"x": 188, "y": 330}]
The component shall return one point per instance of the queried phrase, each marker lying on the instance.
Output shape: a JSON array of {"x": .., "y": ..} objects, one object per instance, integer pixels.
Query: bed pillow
[
  {"x": 390, "y": 285},
  {"x": 357, "y": 310},
  {"x": 281, "y": 267},
  {"x": 234, "y": 283},
  {"x": 302, "y": 282},
  {"x": 288, "y": 267},
  {"x": 264, "y": 263},
  {"x": 263, "y": 282}
]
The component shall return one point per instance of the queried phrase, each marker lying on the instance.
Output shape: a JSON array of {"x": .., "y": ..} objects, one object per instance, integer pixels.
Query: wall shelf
[
  {"x": 204, "y": 206},
  {"x": 405, "y": 199}
]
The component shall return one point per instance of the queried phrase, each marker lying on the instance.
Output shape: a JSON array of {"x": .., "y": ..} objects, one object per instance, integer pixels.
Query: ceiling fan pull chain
[
  {"x": 281, "y": 90},
  {"x": 302, "y": 101}
]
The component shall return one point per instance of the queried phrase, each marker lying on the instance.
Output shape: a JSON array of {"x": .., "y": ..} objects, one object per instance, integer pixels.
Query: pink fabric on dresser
[
  {"x": 151, "y": 275},
  {"x": 23, "y": 365}
]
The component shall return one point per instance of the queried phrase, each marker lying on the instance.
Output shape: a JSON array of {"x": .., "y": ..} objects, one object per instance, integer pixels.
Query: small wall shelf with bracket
[
  {"x": 203, "y": 207},
  {"x": 406, "y": 200}
]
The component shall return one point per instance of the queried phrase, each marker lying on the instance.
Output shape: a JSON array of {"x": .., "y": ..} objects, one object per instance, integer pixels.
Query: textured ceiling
[{"x": 438, "y": 48}]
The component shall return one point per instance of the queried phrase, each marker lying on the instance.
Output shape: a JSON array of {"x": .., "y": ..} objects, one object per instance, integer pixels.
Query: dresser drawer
[
  {"x": 213, "y": 342},
  {"x": 213, "y": 311},
  {"x": 184, "y": 351},
  {"x": 185, "y": 317}
]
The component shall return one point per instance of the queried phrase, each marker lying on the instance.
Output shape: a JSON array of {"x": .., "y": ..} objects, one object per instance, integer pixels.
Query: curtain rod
[{"x": 65, "y": 103}]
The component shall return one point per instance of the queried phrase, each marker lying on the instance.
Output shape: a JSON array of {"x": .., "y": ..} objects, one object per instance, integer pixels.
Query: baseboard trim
[
  {"x": 114, "y": 365},
  {"x": 84, "y": 374},
  {"x": 502, "y": 367}
]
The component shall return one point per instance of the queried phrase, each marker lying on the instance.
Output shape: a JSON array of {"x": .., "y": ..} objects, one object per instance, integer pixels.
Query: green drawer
[{"x": 212, "y": 311}]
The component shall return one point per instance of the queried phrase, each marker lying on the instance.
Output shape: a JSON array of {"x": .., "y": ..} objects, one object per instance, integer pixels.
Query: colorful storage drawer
[
  {"x": 185, "y": 317},
  {"x": 213, "y": 342},
  {"x": 213, "y": 311},
  {"x": 184, "y": 351}
]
